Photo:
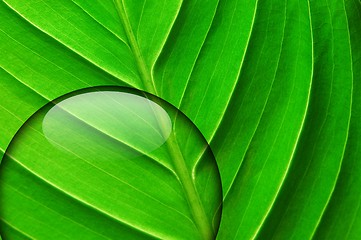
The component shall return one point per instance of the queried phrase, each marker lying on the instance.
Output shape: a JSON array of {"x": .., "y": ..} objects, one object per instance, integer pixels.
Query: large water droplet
[{"x": 109, "y": 163}]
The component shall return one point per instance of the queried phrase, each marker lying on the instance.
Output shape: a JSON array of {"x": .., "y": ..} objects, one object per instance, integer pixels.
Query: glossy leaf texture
[
  {"x": 273, "y": 86},
  {"x": 104, "y": 154}
]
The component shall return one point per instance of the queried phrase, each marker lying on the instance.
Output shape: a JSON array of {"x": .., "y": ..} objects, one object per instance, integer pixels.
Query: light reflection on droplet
[{"x": 128, "y": 118}]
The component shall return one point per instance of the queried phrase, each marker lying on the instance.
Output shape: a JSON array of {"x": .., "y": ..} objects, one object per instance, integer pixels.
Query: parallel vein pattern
[{"x": 274, "y": 87}]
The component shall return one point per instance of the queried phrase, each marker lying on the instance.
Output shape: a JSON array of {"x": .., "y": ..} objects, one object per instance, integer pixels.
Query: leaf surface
[
  {"x": 344, "y": 206},
  {"x": 273, "y": 87},
  {"x": 318, "y": 159}
]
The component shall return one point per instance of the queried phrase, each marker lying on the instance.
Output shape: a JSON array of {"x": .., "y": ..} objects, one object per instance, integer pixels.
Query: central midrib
[
  {"x": 143, "y": 70},
  {"x": 194, "y": 201}
]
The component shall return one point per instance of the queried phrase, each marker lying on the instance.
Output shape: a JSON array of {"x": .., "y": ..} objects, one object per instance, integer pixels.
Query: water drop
[{"x": 112, "y": 163}]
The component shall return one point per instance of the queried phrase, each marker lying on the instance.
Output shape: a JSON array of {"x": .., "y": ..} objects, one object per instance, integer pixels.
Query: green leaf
[
  {"x": 273, "y": 86},
  {"x": 317, "y": 161},
  {"x": 344, "y": 206},
  {"x": 113, "y": 150},
  {"x": 265, "y": 131}
]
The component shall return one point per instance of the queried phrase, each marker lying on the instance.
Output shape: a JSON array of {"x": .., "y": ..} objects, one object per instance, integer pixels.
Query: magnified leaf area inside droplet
[{"x": 109, "y": 163}]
